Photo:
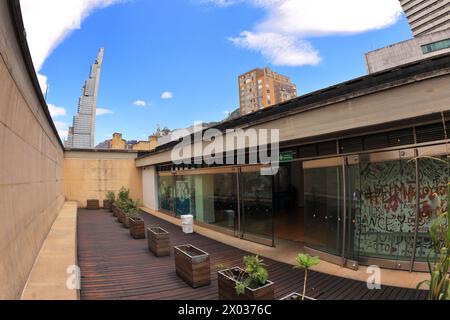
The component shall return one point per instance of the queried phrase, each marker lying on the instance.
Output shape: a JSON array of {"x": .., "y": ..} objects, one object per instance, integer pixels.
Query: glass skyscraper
[{"x": 82, "y": 133}]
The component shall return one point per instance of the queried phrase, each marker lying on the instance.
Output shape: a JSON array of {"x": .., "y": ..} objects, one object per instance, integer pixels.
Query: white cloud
[
  {"x": 167, "y": 95},
  {"x": 280, "y": 37},
  {"x": 324, "y": 17},
  {"x": 102, "y": 112},
  {"x": 43, "y": 82},
  {"x": 63, "y": 129},
  {"x": 140, "y": 103},
  {"x": 49, "y": 22},
  {"x": 56, "y": 112},
  {"x": 279, "y": 49}
]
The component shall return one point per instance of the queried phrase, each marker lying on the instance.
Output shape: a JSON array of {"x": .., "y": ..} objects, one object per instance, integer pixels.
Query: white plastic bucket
[{"x": 187, "y": 223}]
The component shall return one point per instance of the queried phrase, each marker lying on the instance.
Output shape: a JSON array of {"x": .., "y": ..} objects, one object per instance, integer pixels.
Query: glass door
[
  {"x": 324, "y": 195},
  {"x": 256, "y": 211},
  {"x": 353, "y": 198}
]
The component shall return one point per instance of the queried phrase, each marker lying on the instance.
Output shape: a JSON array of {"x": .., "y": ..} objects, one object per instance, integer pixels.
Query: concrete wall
[
  {"x": 31, "y": 166},
  {"x": 149, "y": 187},
  {"x": 409, "y": 101},
  {"x": 404, "y": 52},
  {"x": 91, "y": 174}
]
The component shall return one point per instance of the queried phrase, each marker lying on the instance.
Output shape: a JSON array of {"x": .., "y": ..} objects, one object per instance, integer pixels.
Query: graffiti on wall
[{"x": 386, "y": 222}]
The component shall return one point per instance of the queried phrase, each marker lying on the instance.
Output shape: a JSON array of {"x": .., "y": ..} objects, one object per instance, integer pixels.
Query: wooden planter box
[
  {"x": 114, "y": 210},
  {"x": 126, "y": 221},
  {"x": 93, "y": 205},
  {"x": 137, "y": 228},
  {"x": 193, "y": 266},
  {"x": 296, "y": 297},
  {"x": 158, "y": 241},
  {"x": 227, "y": 288},
  {"x": 120, "y": 215},
  {"x": 107, "y": 205}
]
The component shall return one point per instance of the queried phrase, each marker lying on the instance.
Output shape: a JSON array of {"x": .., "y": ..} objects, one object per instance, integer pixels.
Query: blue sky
[{"x": 186, "y": 47}]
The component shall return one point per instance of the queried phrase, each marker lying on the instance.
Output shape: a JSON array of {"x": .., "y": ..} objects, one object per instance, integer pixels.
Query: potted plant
[
  {"x": 158, "y": 241},
  {"x": 250, "y": 283},
  {"x": 193, "y": 265},
  {"x": 304, "y": 261},
  {"x": 120, "y": 215},
  {"x": 130, "y": 208},
  {"x": 109, "y": 201},
  {"x": 122, "y": 203},
  {"x": 126, "y": 220},
  {"x": 137, "y": 224},
  {"x": 439, "y": 257}
]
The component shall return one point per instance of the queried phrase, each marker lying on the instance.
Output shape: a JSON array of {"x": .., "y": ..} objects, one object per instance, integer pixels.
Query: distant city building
[
  {"x": 430, "y": 24},
  {"x": 262, "y": 88},
  {"x": 118, "y": 143},
  {"x": 416, "y": 49},
  {"x": 82, "y": 133},
  {"x": 427, "y": 16}
]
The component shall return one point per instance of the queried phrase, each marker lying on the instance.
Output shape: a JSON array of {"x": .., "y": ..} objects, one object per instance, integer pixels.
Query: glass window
[
  {"x": 433, "y": 185},
  {"x": 216, "y": 199},
  {"x": 165, "y": 193},
  {"x": 184, "y": 195},
  {"x": 386, "y": 225},
  {"x": 257, "y": 205},
  {"x": 436, "y": 46}
]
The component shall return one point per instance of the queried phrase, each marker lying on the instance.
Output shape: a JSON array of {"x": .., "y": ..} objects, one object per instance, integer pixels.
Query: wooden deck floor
[{"x": 115, "y": 266}]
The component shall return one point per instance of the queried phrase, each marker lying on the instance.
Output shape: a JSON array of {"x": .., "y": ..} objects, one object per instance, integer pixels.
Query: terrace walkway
[{"x": 115, "y": 266}]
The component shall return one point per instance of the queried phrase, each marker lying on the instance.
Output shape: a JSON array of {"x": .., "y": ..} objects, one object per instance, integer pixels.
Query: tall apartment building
[
  {"x": 82, "y": 133},
  {"x": 426, "y": 16},
  {"x": 262, "y": 88},
  {"x": 430, "y": 24}
]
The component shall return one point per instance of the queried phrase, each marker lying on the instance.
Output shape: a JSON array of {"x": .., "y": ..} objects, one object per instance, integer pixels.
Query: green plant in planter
[
  {"x": 134, "y": 213},
  {"x": 123, "y": 195},
  {"x": 439, "y": 257},
  {"x": 123, "y": 200},
  {"x": 111, "y": 197},
  {"x": 305, "y": 261},
  {"x": 255, "y": 275}
]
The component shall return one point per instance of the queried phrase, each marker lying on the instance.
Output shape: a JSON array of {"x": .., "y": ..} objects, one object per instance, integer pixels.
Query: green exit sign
[{"x": 287, "y": 156}]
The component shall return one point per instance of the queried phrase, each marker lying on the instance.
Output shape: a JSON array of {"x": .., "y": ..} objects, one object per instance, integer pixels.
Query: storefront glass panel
[
  {"x": 165, "y": 193},
  {"x": 256, "y": 204},
  {"x": 386, "y": 225},
  {"x": 184, "y": 195},
  {"x": 433, "y": 195},
  {"x": 216, "y": 200}
]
